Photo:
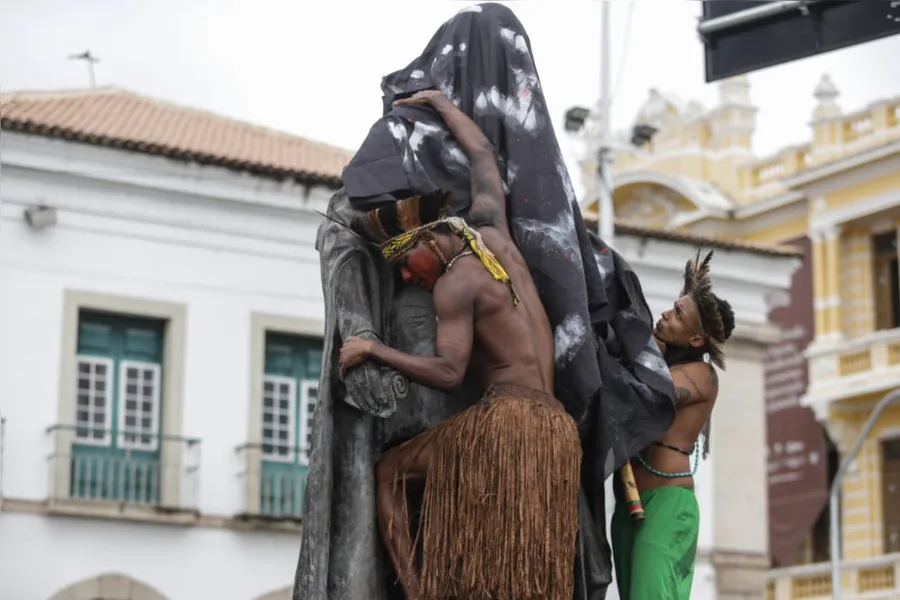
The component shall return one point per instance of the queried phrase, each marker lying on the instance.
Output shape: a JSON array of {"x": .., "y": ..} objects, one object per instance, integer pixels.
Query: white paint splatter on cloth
[
  {"x": 514, "y": 39},
  {"x": 518, "y": 112},
  {"x": 563, "y": 173},
  {"x": 652, "y": 358},
  {"x": 605, "y": 265},
  {"x": 398, "y": 132},
  {"x": 568, "y": 338},
  {"x": 557, "y": 236},
  {"x": 420, "y": 132},
  {"x": 417, "y": 74},
  {"x": 512, "y": 171}
]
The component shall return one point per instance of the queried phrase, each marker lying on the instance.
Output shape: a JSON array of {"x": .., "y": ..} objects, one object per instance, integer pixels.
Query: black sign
[{"x": 781, "y": 31}]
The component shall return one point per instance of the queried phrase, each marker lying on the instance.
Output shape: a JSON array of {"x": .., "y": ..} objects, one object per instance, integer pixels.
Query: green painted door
[
  {"x": 116, "y": 451},
  {"x": 290, "y": 390}
]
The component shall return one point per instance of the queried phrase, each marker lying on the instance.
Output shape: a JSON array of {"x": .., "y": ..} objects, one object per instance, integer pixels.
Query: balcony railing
[
  {"x": 869, "y": 579},
  {"x": 867, "y": 364},
  {"x": 785, "y": 163},
  {"x": 272, "y": 480},
  {"x": 120, "y": 467}
]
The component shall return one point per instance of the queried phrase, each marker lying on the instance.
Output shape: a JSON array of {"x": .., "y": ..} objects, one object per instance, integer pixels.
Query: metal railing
[
  {"x": 93, "y": 464},
  {"x": 835, "y": 498},
  {"x": 876, "y": 578},
  {"x": 273, "y": 484},
  {"x": 871, "y": 361}
]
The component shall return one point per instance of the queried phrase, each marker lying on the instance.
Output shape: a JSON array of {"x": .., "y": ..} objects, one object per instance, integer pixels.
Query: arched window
[{"x": 110, "y": 586}]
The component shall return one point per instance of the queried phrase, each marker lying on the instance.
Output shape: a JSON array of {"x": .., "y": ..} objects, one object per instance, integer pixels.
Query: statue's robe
[{"x": 609, "y": 373}]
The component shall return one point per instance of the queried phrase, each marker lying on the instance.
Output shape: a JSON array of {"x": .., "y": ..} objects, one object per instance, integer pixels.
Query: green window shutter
[
  {"x": 290, "y": 389},
  {"x": 143, "y": 344},
  {"x": 118, "y": 408},
  {"x": 95, "y": 339}
]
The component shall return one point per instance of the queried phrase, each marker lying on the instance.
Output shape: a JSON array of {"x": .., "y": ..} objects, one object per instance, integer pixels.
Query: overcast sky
[{"x": 313, "y": 68}]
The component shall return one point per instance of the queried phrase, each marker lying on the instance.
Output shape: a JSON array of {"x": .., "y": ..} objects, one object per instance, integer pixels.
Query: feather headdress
[
  {"x": 401, "y": 224},
  {"x": 716, "y": 316}
]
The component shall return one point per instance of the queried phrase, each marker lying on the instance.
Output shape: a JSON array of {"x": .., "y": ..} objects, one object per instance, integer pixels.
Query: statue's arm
[{"x": 358, "y": 309}]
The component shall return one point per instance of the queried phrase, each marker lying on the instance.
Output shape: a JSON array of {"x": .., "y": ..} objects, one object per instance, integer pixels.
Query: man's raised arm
[{"x": 488, "y": 198}]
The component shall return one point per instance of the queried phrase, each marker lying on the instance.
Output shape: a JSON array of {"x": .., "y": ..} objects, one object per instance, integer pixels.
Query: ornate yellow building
[{"x": 840, "y": 193}]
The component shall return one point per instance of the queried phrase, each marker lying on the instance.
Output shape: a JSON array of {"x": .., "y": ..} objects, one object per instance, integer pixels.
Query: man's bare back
[{"x": 513, "y": 343}]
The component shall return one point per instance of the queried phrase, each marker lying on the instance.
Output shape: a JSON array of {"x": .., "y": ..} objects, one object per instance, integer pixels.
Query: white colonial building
[
  {"x": 160, "y": 347},
  {"x": 160, "y": 335}
]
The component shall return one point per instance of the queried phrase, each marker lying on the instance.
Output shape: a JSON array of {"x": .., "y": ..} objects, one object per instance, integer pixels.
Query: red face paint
[{"x": 423, "y": 267}]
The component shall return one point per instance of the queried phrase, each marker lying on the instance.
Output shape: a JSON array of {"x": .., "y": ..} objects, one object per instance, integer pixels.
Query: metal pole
[
  {"x": 605, "y": 225},
  {"x": 90, "y": 60},
  {"x": 750, "y": 15},
  {"x": 834, "y": 497}
]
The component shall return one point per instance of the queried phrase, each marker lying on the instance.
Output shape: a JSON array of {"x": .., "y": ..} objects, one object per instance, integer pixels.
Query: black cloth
[{"x": 609, "y": 373}]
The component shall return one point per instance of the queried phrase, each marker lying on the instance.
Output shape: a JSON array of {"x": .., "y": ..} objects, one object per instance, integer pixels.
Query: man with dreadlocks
[
  {"x": 654, "y": 558},
  {"x": 499, "y": 515}
]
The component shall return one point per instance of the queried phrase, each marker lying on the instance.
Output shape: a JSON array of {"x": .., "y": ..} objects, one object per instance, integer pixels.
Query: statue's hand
[
  {"x": 355, "y": 352},
  {"x": 421, "y": 97}
]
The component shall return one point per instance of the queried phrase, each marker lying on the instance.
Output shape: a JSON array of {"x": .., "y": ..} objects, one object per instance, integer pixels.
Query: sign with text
[{"x": 796, "y": 453}]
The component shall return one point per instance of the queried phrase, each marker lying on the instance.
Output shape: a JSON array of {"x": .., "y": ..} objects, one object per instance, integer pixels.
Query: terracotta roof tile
[
  {"x": 629, "y": 228},
  {"x": 121, "y": 119}
]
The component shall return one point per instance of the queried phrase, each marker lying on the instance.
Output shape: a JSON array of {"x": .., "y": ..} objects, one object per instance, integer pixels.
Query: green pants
[{"x": 654, "y": 558}]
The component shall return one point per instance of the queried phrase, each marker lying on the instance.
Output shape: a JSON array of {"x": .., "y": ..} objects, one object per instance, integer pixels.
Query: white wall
[
  {"x": 738, "y": 455},
  {"x": 223, "y": 259},
  {"x": 39, "y": 556}
]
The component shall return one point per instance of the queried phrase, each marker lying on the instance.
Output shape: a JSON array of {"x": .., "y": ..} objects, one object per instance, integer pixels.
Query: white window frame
[
  {"x": 292, "y": 420},
  {"x": 110, "y": 365},
  {"x": 304, "y": 416},
  {"x": 260, "y": 325},
  {"x": 173, "y": 489},
  {"x": 155, "y": 433}
]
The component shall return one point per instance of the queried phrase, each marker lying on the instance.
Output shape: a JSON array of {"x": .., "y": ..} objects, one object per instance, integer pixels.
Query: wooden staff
[{"x": 632, "y": 496}]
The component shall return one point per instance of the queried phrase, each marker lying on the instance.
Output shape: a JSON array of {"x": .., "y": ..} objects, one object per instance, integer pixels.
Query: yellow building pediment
[{"x": 664, "y": 200}]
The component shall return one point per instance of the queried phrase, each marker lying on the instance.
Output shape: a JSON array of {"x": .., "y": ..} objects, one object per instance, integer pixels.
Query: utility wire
[{"x": 628, "y": 19}]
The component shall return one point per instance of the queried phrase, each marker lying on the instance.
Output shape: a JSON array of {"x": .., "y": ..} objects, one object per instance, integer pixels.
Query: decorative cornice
[{"x": 836, "y": 167}]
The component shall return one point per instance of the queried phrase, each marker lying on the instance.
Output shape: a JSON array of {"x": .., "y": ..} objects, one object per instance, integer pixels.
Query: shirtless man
[
  {"x": 499, "y": 515},
  {"x": 655, "y": 558}
]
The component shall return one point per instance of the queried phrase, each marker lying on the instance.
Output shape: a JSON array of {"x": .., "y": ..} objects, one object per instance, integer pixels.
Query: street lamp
[{"x": 642, "y": 134}]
